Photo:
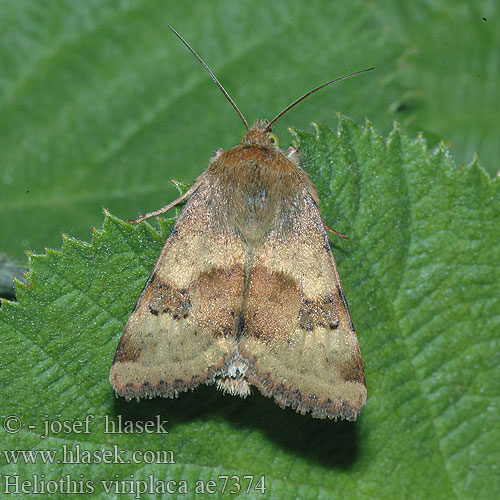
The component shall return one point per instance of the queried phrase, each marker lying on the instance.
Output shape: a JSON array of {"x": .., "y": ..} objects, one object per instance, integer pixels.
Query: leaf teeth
[
  {"x": 19, "y": 282},
  {"x": 317, "y": 129},
  {"x": 181, "y": 187},
  {"x": 369, "y": 129},
  {"x": 396, "y": 126},
  {"x": 65, "y": 239}
]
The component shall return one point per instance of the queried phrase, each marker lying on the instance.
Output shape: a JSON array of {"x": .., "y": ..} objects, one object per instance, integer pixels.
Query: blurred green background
[{"x": 100, "y": 104}]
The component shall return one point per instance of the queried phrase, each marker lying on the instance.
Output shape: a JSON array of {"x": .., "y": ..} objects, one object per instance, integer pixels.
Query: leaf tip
[
  {"x": 396, "y": 125},
  {"x": 317, "y": 129},
  {"x": 25, "y": 284},
  {"x": 65, "y": 239}
]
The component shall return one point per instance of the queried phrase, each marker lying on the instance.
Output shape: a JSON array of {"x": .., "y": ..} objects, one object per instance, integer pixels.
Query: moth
[{"x": 246, "y": 291}]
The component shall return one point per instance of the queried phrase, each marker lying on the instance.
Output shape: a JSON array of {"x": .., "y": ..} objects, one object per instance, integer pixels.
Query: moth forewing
[
  {"x": 180, "y": 332},
  {"x": 298, "y": 337}
]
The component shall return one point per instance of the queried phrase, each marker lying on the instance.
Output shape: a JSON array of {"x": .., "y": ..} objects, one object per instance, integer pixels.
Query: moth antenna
[
  {"x": 290, "y": 106},
  {"x": 214, "y": 78}
]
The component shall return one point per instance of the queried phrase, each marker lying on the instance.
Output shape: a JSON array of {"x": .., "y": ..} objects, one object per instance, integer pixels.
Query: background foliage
[{"x": 101, "y": 106}]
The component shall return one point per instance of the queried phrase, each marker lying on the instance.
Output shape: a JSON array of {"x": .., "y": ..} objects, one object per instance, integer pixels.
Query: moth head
[{"x": 260, "y": 134}]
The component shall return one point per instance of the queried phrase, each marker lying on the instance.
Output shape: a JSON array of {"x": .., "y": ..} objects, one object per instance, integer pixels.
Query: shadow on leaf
[{"x": 325, "y": 442}]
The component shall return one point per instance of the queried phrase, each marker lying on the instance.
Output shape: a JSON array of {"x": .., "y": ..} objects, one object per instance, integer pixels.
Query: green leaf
[{"x": 420, "y": 272}]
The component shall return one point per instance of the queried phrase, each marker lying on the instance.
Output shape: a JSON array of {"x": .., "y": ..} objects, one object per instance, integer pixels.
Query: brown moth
[{"x": 246, "y": 291}]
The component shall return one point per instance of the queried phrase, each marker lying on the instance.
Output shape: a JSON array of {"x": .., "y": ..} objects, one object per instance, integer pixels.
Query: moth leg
[
  {"x": 336, "y": 232},
  {"x": 189, "y": 192}
]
